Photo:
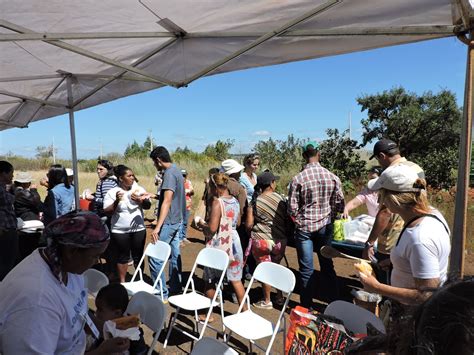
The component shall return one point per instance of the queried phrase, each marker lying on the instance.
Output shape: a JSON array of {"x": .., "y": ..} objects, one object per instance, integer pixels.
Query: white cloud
[{"x": 261, "y": 133}]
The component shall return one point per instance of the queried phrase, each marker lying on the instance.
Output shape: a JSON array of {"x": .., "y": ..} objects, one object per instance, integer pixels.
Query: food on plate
[
  {"x": 364, "y": 267},
  {"x": 127, "y": 322}
]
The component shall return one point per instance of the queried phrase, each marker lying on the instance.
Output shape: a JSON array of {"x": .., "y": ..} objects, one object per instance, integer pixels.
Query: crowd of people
[{"x": 412, "y": 249}]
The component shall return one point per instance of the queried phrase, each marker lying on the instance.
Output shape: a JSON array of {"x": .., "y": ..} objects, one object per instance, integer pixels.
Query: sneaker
[{"x": 262, "y": 305}]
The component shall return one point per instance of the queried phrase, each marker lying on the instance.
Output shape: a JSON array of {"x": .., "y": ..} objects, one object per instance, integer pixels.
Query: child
[{"x": 111, "y": 302}]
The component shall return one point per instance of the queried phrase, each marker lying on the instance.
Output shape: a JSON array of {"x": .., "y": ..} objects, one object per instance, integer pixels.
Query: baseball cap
[
  {"x": 184, "y": 172},
  {"x": 383, "y": 146},
  {"x": 230, "y": 166},
  {"x": 22, "y": 177},
  {"x": 311, "y": 144},
  {"x": 69, "y": 172},
  {"x": 398, "y": 178},
  {"x": 266, "y": 178}
]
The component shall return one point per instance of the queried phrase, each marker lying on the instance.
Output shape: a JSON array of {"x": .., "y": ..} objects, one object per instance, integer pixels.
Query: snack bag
[{"x": 314, "y": 334}]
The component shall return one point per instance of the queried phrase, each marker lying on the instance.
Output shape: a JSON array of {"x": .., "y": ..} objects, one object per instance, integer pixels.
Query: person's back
[
  {"x": 315, "y": 198},
  {"x": 316, "y": 187},
  {"x": 27, "y": 204},
  {"x": 271, "y": 219}
]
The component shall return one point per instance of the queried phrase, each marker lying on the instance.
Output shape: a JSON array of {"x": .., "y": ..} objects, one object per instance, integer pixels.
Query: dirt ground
[{"x": 180, "y": 344}]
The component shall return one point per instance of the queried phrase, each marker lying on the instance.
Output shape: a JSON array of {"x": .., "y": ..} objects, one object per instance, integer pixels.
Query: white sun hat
[
  {"x": 230, "y": 166},
  {"x": 398, "y": 178}
]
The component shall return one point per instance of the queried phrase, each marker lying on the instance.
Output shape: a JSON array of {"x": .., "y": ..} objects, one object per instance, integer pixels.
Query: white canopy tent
[{"x": 61, "y": 56}]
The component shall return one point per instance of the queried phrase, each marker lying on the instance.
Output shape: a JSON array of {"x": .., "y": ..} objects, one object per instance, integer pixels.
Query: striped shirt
[
  {"x": 315, "y": 197},
  {"x": 271, "y": 221},
  {"x": 7, "y": 212},
  {"x": 103, "y": 186}
]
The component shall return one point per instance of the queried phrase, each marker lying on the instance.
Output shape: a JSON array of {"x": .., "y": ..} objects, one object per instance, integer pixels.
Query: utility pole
[
  {"x": 151, "y": 142},
  {"x": 350, "y": 124},
  {"x": 54, "y": 153}
]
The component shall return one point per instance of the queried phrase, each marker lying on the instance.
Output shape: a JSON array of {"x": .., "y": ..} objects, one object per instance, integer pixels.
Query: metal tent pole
[
  {"x": 72, "y": 130},
  {"x": 456, "y": 262}
]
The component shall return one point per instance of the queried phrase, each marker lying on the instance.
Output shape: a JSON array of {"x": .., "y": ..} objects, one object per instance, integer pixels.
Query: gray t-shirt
[{"x": 173, "y": 180}]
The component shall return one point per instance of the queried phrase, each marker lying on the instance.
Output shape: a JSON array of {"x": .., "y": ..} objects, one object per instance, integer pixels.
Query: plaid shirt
[
  {"x": 315, "y": 197},
  {"x": 7, "y": 212}
]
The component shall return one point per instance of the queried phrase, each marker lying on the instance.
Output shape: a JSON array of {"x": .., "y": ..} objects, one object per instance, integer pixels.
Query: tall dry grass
[{"x": 198, "y": 172}]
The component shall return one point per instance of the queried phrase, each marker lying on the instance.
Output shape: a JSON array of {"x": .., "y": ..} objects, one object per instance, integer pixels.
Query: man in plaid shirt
[{"x": 315, "y": 197}]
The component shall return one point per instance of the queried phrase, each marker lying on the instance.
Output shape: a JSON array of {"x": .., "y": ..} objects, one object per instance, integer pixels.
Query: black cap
[
  {"x": 384, "y": 146},
  {"x": 266, "y": 178}
]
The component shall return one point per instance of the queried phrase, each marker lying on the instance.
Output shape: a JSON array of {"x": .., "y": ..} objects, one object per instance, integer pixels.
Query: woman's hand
[
  {"x": 119, "y": 194},
  {"x": 370, "y": 283},
  {"x": 345, "y": 214},
  {"x": 155, "y": 235}
]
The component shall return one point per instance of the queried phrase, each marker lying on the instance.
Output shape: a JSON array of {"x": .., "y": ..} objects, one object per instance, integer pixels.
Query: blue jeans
[
  {"x": 184, "y": 226},
  {"x": 306, "y": 244},
  {"x": 169, "y": 233}
]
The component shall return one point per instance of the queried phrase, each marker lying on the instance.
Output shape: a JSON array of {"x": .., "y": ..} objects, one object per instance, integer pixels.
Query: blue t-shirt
[{"x": 173, "y": 180}]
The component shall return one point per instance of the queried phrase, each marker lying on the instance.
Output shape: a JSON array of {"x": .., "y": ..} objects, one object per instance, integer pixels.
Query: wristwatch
[{"x": 368, "y": 244}]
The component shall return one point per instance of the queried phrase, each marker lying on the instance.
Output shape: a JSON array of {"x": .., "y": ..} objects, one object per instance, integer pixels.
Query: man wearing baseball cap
[
  {"x": 315, "y": 197},
  {"x": 387, "y": 225}
]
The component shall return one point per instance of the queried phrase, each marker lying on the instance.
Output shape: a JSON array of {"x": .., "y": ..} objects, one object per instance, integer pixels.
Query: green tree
[
  {"x": 220, "y": 150},
  {"x": 134, "y": 150},
  {"x": 44, "y": 152},
  {"x": 280, "y": 155},
  {"x": 426, "y": 128},
  {"x": 339, "y": 155}
]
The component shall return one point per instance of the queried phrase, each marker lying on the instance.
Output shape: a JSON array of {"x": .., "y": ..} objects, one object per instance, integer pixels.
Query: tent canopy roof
[{"x": 116, "y": 48}]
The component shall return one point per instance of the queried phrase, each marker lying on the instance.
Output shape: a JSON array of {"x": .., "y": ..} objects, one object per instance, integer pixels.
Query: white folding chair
[
  {"x": 152, "y": 313},
  {"x": 193, "y": 301},
  {"x": 161, "y": 251},
  {"x": 355, "y": 318},
  {"x": 252, "y": 326},
  {"x": 206, "y": 346},
  {"x": 94, "y": 280}
]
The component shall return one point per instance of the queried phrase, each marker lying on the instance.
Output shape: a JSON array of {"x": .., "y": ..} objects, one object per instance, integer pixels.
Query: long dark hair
[{"x": 57, "y": 175}]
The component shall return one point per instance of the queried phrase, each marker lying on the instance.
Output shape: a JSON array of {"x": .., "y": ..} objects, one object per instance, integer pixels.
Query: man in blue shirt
[{"x": 171, "y": 210}]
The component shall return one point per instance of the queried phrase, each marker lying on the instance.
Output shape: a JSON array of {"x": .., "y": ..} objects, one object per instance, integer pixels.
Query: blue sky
[{"x": 302, "y": 98}]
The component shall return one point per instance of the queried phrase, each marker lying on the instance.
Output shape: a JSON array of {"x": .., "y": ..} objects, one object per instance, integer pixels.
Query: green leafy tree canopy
[{"x": 426, "y": 128}]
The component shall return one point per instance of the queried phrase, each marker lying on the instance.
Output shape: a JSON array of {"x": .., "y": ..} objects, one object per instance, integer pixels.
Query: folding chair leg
[
  {"x": 153, "y": 344},
  {"x": 227, "y": 337},
  {"x": 284, "y": 334},
  {"x": 170, "y": 327}
]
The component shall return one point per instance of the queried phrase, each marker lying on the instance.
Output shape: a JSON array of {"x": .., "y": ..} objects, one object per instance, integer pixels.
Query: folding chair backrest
[
  {"x": 160, "y": 250},
  {"x": 276, "y": 276},
  {"x": 213, "y": 258},
  {"x": 151, "y": 309},
  {"x": 94, "y": 280},
  {"x": 355, "y": 318}
]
